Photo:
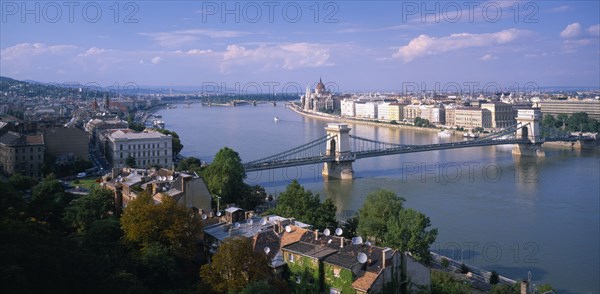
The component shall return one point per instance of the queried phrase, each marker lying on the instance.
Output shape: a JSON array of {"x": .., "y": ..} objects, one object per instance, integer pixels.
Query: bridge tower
[
  {"x": 338, "y": 146},
  {"x": 529, "y": 120}
]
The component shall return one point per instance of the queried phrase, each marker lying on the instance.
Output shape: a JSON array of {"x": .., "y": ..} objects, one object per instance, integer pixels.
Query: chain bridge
[{"x": 338, "y": 148}]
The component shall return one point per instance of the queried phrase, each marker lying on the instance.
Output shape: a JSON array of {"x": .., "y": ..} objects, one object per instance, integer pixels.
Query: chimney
[
  {"x": 524, "y": 287},
  {"x": 316, "y": 234},
  {"x": 384, "y": 256},
  {"x": 341, "y": 242}
]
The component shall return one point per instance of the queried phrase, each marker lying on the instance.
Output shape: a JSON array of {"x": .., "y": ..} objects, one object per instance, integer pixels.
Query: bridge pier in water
[
  {"x": 338, "y": 145},
  {"x": 529, "y": 119}
]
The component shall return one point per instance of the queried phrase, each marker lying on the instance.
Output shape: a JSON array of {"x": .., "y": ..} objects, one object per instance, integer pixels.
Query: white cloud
[
  {"x": 571, "y": 31},
  {"x": 194, "y": 52},
  {"x": 181, "y": 37},
  {"x": 286, "y": 56},
  {"x": 156, "y": 60},
  {"x": 33, "y": 49},
  {"x": 488, "y": 57},
  {"x": 92, "y": 51},
  {"x": 425, "y": 45},
  {"x": 561, "y": 8},
  {"x": 594, "y": 30}
]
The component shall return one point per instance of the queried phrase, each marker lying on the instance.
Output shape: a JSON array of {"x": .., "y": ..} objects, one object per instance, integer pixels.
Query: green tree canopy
[
  {"x": 176, "y": 142},
  {"x": 21, "y": 182},
  {"x": 191, "y": 164},
  {"x": 235, "y": 266},
  {"x": 49, "y": 200},
  {"x": 130, "y": 162},
  {"x": 303, "y": 205},
  {"x": 407, "y": 230},
  {"x": 225, "y": 176},
  {"x": 378, "y": 208},
  {"x": 172, "y": 226},
  {"x": 97, "y": 205}
]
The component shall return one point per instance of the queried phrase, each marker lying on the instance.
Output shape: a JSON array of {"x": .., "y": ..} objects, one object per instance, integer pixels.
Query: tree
[
  {"x": 190, "y": 164},
  {"x": 49, "y": 200},
  {"x": 373, "y": 217},
  {"x": 225, "y": 176},
  {"x": 407, "y": 230},
  {"x": 549, "y": 121},
  {"x": 130, "y": 162},
  {"x": 260, "y": 287},
  {"x": 303, "y": 205},
  {"x": 97, "y": 205},
  {"x": 349, "y": 227},
  {"x": 445, "y": 263},
  {"x": 175, "y": 143},
  {"x": 464, "y": 268},
  {"x": 253, "y": 196},
  {"x": 172, "y": 226},
  {"x": 502, "y": 289},
  {"x": 494, "y": 278},
  {"x": 443, "y": 283},
  {"x": 21, "y": 182},
  {"x": 545, "y": 288},
  {"x": 235, "y": 266}
]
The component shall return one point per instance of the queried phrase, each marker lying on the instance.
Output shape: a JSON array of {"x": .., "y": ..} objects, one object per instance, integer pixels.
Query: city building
[
  {"x": 347, "y": 108},
  {"x": 22, "y": 154},
  {"x": 148, "y": 148},
  {"x": 556, "y": 107},
  {"x": 436, "y": 114},
  {"x": 450, "y": 114},
  {"x": 187, "y": 190},
  {"x": 503, "y": 115},
  {"x": 319, "y": 100},
  {"x": 366, "y": 109},
  {"x": 316, "y": 262},
  {"x": 67, "y": 142},
  {"x": 390, "y": 111},
  {"x": 412, "y": 111},
  {"x": 473, "y": 117}
]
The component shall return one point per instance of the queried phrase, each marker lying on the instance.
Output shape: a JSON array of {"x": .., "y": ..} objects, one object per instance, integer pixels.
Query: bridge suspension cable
[{"x": 306, "y": 150}]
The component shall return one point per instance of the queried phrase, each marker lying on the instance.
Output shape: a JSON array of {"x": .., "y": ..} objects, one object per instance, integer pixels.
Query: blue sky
[{"x": 354, "y": 45}]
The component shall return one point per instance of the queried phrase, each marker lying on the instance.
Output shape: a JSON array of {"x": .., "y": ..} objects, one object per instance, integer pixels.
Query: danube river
[{"x": 495, "y": 211}]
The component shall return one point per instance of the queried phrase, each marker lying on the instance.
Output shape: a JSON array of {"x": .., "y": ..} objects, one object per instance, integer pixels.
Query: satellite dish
[
  {"x": 362, "y": 258},
  {"x": 338, "y": 231},
  {"x": 236, "y": 225},
  {"x": 357, "y": 240},
  {"x": 250, "y": 221},
  {"x": 263, "y": 221},
  {"x": 329, "y": 242},
  {"x": 218, "y": 213},
  {"x": 267, "y": 249},
  {"x": 368, "y": 243},
  {"x": 204, "y": 216},
  {"x": 326, "y": 232},
  {"x": 288, "y": 229}
]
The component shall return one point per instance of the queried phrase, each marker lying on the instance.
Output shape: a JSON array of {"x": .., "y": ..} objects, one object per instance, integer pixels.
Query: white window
[
  {"x": 334, "y": 291},
  {"x": 298, "y": 279},
  {"x": 291, "y": 257},
  {"x": 336, "y": 272}
]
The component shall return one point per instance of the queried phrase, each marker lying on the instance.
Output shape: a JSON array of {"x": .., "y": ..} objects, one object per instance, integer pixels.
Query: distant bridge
[{"x": 338, "y": 149}]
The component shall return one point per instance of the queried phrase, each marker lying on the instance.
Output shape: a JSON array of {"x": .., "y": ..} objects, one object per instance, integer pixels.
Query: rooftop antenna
[{"x": 362, "y": 258}]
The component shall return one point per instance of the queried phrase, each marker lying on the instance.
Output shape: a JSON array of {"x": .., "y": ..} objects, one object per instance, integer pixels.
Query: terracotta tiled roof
[
  {"x": 293, "y": 236},
  {"x": 365, "y": 282}
]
